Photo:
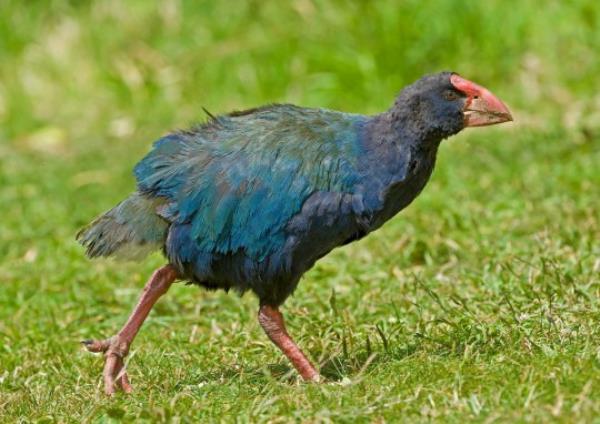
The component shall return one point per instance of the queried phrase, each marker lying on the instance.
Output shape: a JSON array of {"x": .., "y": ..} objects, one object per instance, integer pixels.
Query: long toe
[
  {"x": 96, "y": 346},
  {"x": 108, "y": 374},
  {"x": 121, "y": 376}
]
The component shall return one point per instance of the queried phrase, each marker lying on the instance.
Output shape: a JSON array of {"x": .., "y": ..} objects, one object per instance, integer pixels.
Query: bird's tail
[{"x": 130, "y": 230}]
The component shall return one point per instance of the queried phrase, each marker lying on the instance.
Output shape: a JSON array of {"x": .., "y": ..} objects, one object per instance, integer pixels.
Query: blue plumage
[{"x": 252, "y": 199}]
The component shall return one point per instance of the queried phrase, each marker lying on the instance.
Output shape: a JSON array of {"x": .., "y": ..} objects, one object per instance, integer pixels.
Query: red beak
[{"x": 482, "y": 107}]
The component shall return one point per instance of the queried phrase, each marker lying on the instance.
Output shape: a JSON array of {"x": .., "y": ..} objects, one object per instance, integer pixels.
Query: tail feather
[{"x": 130, "y": 230}]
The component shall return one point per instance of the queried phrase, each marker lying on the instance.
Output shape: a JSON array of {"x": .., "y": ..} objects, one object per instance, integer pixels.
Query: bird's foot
[
  {"x": 317, "y": 379},
  {"x": 115, "y": 350}
]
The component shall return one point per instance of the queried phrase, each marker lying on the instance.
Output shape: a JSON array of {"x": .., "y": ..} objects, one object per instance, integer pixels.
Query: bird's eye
[{"x": 450, "y": 95}]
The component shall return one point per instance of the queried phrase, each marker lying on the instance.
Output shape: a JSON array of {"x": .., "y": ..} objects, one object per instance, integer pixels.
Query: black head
[{"x": 440, "y": 105}]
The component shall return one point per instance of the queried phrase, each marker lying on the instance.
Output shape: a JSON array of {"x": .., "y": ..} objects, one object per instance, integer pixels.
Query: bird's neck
[
  {"x": 397, "y": 164},
  {"x": 396, "y": 130}
]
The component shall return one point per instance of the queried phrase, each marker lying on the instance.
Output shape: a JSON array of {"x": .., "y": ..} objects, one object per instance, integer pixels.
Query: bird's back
[{"x": 238, "y": 180}]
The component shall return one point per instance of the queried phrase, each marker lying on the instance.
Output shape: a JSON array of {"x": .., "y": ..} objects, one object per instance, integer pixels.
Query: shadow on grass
[
  {"x": 333, "y": 369},
  {"x": 352, "y": 365}
]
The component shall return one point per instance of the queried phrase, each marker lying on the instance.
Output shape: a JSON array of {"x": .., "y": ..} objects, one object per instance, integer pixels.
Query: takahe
[{"x": 250, "y": 200}]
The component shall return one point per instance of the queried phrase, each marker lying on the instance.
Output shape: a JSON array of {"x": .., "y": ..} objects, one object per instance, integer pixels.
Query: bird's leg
[
  {"x": 271, "y": 321},
  {"x": 117, "y": 347}
]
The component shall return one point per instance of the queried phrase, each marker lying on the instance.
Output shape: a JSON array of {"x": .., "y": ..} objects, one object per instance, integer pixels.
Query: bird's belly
[{"x": 323, "y": 223}]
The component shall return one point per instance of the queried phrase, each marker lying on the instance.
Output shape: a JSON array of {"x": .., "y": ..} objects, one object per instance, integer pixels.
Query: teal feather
[{"x": 239, "y": 179}]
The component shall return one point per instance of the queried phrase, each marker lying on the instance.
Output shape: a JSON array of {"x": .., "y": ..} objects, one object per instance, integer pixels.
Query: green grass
[{"x": 479, "y": 302}]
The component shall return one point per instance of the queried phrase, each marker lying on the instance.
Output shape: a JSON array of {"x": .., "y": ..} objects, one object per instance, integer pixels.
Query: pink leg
[
  {"x": 271, "y": 321},
  {"x": 117, "y": 347}
]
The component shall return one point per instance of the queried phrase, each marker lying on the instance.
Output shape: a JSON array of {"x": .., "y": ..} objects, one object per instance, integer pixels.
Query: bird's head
[{"x": 443, "y": 104}]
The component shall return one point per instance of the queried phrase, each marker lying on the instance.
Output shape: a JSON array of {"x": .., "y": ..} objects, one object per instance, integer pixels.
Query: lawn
[{"x": 480, "y": 302}]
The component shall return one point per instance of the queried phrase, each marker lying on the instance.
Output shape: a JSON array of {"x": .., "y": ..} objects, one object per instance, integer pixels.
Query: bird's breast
[{"x": 395, "y": 188}]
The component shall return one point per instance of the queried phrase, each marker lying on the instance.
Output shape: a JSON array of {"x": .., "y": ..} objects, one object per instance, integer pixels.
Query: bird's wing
[{"x": 240, "y": 178}]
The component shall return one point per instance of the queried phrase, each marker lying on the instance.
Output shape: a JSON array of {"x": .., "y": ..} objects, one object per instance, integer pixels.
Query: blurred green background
[{"x": 480, "y": 301}]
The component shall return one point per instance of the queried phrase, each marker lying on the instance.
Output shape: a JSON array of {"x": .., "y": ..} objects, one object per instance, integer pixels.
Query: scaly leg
[
  {"x": 117, "y": 347},
  {"x": 271, "y": 321}
]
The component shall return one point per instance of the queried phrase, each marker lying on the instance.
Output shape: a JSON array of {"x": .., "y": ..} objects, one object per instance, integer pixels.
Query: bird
[{"x": 250, "y": 200}]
